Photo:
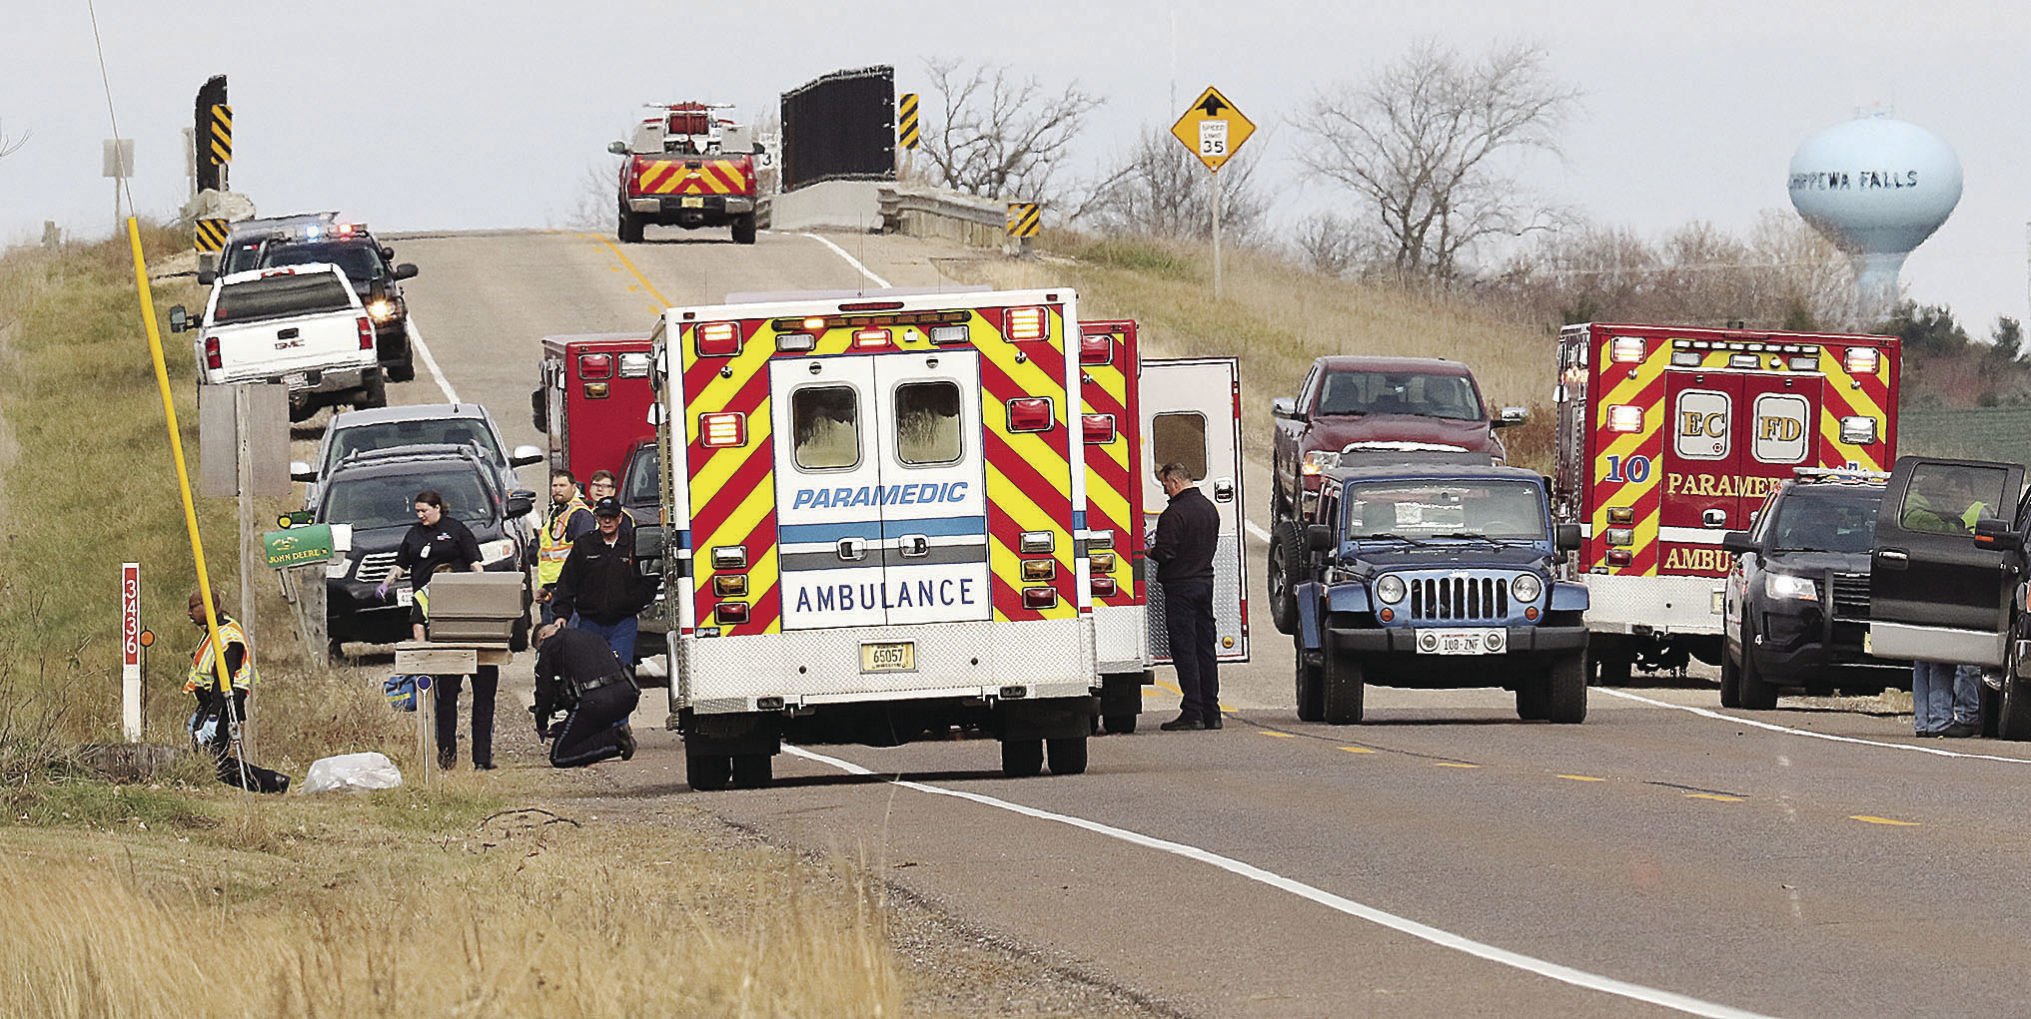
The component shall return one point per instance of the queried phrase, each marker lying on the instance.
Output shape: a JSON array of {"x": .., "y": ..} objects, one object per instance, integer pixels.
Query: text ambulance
[
  {"x": 1669, "y": 437},
  {"x": 878, "y": 526}
]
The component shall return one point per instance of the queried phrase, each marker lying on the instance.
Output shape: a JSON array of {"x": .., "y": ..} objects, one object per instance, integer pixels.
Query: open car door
[{"x": 1935, "y": 593}]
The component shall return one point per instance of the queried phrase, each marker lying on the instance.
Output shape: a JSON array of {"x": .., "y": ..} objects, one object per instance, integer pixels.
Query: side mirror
[
  {"x": 520, "y": 503},
  {"x": 1284, "y": 407},
  {"x": 539, "y": 411},
  {"x": 1318, "y": 538},
  {"x": 405, "y": 271},
  {"x": 1997, "y": 534},
  {"x": 524, "y": 456},
  {"x": 1566, "y": 537},
  {"x": 179, "y": 319},
  {"x": 300, "y": 471},
  {"x": 1510, "y": 417},
  {"x": 617, "y": 148},
  {"x": 1737, "y": 542},
  {"x": 205, "y": 277}
]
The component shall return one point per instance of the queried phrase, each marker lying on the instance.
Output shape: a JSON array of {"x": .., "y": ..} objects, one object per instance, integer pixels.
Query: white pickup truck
[{"x": 300, "y": 325}]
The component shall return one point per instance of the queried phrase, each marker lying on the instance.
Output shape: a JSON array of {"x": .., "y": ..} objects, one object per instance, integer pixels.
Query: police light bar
[
  {"x": 1022, "y": 325},
  {"x": 717, "y": 339},
  {"x": 1096, "y": 348},
  {"x": 722, "y": 429},
  {"x": 1861, "y": 360}
]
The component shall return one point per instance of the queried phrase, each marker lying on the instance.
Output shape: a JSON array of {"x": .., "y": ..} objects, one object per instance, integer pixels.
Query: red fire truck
[
  {"x": 1670, "y": 437},
  {"x": 687, "y": 166},
  {"x": 593, "y": 400}
]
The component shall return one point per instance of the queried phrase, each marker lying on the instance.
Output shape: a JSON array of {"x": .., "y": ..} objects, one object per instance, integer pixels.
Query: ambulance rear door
[
  {"x": 1190, "y": 414},
  {"x": 1702, "y": 456},
  {"x": 828, "y": 458},
  {"x": 934, "y": 493}
]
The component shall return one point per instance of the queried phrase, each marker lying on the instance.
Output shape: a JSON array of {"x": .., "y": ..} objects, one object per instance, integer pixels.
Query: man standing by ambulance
[
  {"x": 570, "y": 518},
  {"x": 600, "y": 589},
  {"x": 1188, "y": 533}
]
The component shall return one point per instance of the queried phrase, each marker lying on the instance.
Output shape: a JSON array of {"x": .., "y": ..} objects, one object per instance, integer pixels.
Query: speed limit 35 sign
[{"x": 1213, "y": 129}]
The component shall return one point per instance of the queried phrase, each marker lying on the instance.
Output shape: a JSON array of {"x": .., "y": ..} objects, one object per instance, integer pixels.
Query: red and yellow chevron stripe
[
  {"x": 1846, "y": 395},
  {"x": 1029, "y": 477},
  {"x": 1113, "y": 492},
  {"x": 694, "y": 177},
  {"x": 733, "y": 490},
  {"x": 1640, "y": 384}
]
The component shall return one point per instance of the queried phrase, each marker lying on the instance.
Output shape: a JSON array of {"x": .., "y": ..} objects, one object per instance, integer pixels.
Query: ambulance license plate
[
  {"x": 1461, "y": 642},
  {"x": 691, "y": 203},
  {"x": 894, "y": 656}
]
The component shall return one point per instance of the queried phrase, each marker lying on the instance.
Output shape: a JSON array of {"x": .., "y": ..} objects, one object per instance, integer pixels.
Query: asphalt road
[{"x": 1442, "y": 859}]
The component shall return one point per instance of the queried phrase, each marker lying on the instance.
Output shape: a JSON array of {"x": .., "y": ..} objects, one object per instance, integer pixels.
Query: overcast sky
[{"x": 438, "y": 114}]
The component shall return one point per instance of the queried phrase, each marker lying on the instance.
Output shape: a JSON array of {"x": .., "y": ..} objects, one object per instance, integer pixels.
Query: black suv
[
  {"x": 374, "y": 492},
  {"x": 1796, "y": 610}
]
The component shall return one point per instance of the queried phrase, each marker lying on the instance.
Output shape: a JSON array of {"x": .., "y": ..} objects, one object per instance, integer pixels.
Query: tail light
[
  {"x": 1619, "y": 557},
  {"x": 1096, "y": 348},
  {"x": 1038, "y": 571},
  {"x": 1104, "y": 587},
  {"x": 722, "y": 429},
  {"x": 728, "y": 613},
  {"x": 718, "y": 339},
  {"x": 1024, "y": 324},
  {"x": 1861, "y": 360},
  {"x": 212, "y": 359},
  {"x": 1621, "y": 514},
  {"x": 366, "y": 333},
  {"x": 865, "y": 338},
  {"x": 1621, "y": 536},
  {"x": 1030, "y": 414},
  {"x": 1039, "y": 598},
  {"x": 641, "y": 166},
  {"x": 1099, "y": 428},
  {"x": 1102, "y": 562},
  {"x": 730, "y": 585},
  {"x": 1625, "y": 417},
  {"x": 595, "y": 366}
]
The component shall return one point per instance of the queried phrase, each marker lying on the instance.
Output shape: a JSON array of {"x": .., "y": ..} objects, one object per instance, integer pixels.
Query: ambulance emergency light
[{"x": 1861, "y": 360}]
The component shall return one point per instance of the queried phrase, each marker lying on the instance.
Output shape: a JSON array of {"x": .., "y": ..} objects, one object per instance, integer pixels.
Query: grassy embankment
[
  {"x": 183, "y": 897},
  {"x": 1277, "y": 317}
]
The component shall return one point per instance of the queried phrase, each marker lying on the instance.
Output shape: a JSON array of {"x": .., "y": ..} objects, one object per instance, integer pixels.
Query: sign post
[
  {"x": 1213, "y": 130},
  {"x": 130, "y": 652},
  {"x": 117, "y": 163}
]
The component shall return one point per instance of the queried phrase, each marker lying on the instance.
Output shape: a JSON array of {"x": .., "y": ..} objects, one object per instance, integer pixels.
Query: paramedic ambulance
[
  {"x": 1669, "y": 437},
  {"x": 877, "y": 526}
]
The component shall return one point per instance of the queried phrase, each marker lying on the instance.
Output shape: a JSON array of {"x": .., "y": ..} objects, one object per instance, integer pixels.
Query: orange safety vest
[
  {"x": 555, "y": 547},
  {"x": 204, "y": 672}
]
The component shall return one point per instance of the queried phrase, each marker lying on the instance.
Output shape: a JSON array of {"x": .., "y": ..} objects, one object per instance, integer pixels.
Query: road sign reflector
[
  {"x": 907, "y": 129},
  {"x": 1025, "y": 219}
]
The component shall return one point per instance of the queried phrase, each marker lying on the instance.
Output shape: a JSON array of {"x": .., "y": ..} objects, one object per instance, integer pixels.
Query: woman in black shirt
[{"x": 435, "y": 541}]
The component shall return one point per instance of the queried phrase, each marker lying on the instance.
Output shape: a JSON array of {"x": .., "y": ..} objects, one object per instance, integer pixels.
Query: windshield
[
  {"x": 389, "y": 434},
  {"x": 1440, "y": 396},
  {"x": 240, "y": 256},
  {"x": 313, "y": 293},
  {"x": 358, "y": 260},
  {"x": 1827, "y": 521},
  {"x": 643, "y": 475},
  {"x": 388, "y": 500},
  {"x": 1444, "y": 509}
]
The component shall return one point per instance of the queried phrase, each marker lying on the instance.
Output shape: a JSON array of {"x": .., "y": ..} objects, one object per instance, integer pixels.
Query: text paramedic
[{"x": 927, "y": 493}]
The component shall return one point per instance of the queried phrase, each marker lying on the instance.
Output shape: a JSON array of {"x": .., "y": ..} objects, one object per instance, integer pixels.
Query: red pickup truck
[
  {"x": 685, "y": 166},
  {"x": 1356, "y": 409}
]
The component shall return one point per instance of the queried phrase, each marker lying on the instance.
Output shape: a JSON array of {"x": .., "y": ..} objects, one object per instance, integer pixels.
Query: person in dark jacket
[
  {"x": 1188, "y": 533},
  {"x": 600, "y": 588},
  {"x": 577, "y": 672}
]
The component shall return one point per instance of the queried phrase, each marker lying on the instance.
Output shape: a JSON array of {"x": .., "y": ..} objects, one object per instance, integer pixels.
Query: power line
[{"x": 106, "y": 82}]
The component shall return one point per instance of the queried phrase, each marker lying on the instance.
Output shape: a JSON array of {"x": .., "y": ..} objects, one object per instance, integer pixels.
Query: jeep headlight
[
  {"x": 1389, "y": 590},
  {"x": 1526, "y": 587},
  {"x": 1791, "y": 587}
]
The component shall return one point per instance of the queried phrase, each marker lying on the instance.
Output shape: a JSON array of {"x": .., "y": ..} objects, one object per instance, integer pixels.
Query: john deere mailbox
[{"x": 297, "y": 546}]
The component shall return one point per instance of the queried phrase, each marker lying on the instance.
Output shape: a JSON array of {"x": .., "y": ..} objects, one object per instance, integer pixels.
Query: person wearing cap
[
  {"x": 577, "y": 673},
  {"x": 600, "y": 589},
  {"x": 212, "y": 724}
]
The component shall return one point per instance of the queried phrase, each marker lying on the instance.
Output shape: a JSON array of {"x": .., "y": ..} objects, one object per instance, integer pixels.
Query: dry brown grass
[{"x": 1277, "y": 317}]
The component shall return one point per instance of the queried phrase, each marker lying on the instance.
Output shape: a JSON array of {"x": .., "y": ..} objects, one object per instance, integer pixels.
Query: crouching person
[{"x": 577, "y": 673}]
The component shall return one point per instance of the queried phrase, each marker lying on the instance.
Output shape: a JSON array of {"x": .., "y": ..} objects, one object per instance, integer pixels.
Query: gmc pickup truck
[{"x": 301, "y": 325}]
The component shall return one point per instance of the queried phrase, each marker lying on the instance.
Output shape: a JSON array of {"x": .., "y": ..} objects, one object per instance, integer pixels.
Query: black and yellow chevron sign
[
  {"x": 222, "y": 135},
  {"x": 1025, "y": 218},
  {"x": 208, "y": 234},
  {"x": 906, "y": 121}
]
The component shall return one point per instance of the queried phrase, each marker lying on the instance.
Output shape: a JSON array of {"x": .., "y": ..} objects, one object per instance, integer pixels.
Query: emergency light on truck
[
  {"x": 1625, "y": 349},
  {"x": 1861, "y": 360},
  {"x": 1022, "y": 325},
  {"x": 1858, "y": 431},
  {"x": 595, "y": 366},
  {"x": 722, "y": 429},
  {"x": 718, "y": 339},
  {"x": 1030, "y": 414},
  {"x": 1096, "y": 349},
  {"x": 1625, "y": 418},
  {"x": 1099, "y": 428}
]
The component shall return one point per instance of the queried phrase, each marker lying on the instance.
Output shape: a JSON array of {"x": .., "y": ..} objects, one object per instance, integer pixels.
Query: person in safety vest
[
  {"x": 212, "y": 725},
  {"x": 570, "y": 517}
]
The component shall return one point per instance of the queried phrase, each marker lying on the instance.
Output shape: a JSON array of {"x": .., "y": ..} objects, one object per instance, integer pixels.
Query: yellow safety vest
[
  {"x": 555, "y": 546},
  {"x": 204, "y": 672}
]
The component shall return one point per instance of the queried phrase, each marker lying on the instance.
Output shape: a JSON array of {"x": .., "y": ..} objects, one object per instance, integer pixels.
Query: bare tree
[
  {"x": 1428, "y": 144},
  {"x": 1162, "y": 190},
  {"x": 1330, "y": 243},
  {"x": 11, "y": 145},
  {"x": 999, "y": 136}
]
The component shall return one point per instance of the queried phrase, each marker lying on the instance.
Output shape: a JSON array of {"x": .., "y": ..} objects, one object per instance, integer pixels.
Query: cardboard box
[{"x": 475, "y": 608}]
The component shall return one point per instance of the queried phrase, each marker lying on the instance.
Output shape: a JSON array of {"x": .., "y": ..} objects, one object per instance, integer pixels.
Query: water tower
[{"x": 1877, "y": 187}]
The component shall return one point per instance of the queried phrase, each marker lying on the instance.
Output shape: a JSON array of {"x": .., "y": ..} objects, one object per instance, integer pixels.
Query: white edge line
[
  {"x": 429, "y": 362},
  {"x": 1255, "y": 531},
  {"x": 852, "y": 261},
  {"x": 1829, "y": 737},
  {"x": 1444, "y": 939}
]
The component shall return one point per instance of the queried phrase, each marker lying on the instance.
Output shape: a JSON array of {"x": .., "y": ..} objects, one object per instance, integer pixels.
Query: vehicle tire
[
  {"x": 1118, "y": 725},
  {"x": 1068, "y": 755},
  {"x": 1310, "y": 688},
  {"x": 1992, "y": 712},
  {"x": 630, "y": 230},
  {"x": 2013, "y": 714},
  {"x": 753, "y": 771},
  {"x": 1731, "y": 680},
  {"x": 1533, "y": 700},
  {"x": 1283, "y": 556},
  {"x": 1341, "y": 690},
  {"x": 1756, "y": 695},
  {"x": 1022, "y": 758},
  {"x": 708, "y": 773},
  {"x": 744, "y": 229},
  {"x": 299, "y": 412},
  {"x": 1566, "y": 691},
  {"x": 373, "y": 395},
  {"x": 403, "y": 370}
]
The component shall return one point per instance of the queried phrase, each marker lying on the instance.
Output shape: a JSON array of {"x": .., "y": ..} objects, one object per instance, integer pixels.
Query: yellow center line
[
  {"x": 1871, "y": 819},
  {"x": 1716, "y": 797},
  {"x": 1273, "y": 734},
  {"x": 1152, "y": 691},
  {"x": 1358, "y": 750},
  {"x": 1582, "y": 778},
  {"x": 1452, "y": 764},
  {"x": 630, "y": 266}
]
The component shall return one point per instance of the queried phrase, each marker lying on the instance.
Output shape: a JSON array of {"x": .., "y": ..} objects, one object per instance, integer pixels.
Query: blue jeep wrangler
[{"x": 1438, "y": 577}]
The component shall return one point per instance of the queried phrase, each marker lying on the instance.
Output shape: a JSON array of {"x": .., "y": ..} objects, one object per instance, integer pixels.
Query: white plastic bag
[{"x": 352, "y": 771}]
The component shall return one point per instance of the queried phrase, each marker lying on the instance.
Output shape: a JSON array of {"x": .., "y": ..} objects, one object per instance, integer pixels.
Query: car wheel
[
  {"x": 1022, "y": 758},
  {"x": 1310, "y": 689},
  {"x": 630, "y": 229},
  {"x": 1068, "y": 755},
  {"x": 1533, "y": 700},
  {"x": 753, "y": 771},
  {"x": 744, "y": 229},
  {"x": 403, "y": 370},
  {"x": 1566, "y": 690},
  {"x": 1118, "y": 725},
  {"x": 1611, "y": 670},
  {"x": 1283, "y": 557},
  {"x": 1756, "y": 695},
  {"x": 708, "y": 772},
  {"x": 373, "y": 395},
  {"x": 1342, "y": 687}
]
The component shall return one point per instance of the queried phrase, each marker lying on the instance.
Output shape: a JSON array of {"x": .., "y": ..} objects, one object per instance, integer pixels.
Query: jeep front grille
[
  {"x": 1459, "y": 598},
  {"x": 1849, "y": 593}
]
